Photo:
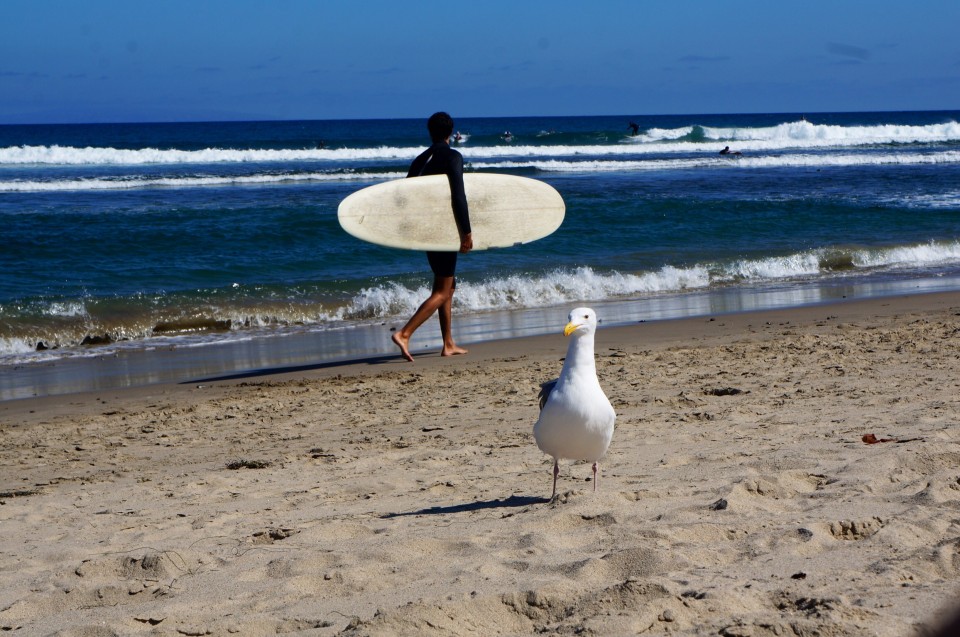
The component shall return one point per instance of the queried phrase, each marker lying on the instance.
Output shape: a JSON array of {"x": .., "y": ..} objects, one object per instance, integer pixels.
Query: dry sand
[{"x": 738, "y": 496}]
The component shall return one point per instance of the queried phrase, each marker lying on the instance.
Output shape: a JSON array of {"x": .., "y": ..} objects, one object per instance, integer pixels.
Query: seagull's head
[{"x": 582, "y": 320}]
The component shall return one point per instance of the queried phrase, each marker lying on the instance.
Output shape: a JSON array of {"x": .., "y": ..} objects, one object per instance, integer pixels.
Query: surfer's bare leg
[
  {"x": 450, "y": 348},
  {"x": 442, "y": 294}
]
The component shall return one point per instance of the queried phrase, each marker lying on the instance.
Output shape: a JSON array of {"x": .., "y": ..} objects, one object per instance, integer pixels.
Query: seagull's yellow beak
[{"x": 570, "y": 328}]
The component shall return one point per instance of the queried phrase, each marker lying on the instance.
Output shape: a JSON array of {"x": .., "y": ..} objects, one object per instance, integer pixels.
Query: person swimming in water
[{"x": 726, "y": 151}]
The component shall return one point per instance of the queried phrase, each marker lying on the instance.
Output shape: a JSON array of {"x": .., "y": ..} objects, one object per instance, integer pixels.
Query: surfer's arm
[{"x": 458, "y": 198}]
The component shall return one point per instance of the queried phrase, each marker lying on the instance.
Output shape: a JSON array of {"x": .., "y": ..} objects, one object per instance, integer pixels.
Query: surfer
[
  {"x": 440, "y": 159},
  {"x": 634, "y": 127},
  {"x": 726, "y": 151}
]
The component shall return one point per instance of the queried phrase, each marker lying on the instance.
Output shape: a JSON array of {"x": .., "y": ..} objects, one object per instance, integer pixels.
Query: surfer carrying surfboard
[{"x": 440, "y": 159}]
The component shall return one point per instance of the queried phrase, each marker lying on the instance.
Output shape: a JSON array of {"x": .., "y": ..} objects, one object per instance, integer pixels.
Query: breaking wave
[
  {"x": 786, "y": 136},
  {"x": 72, "y": 327}
]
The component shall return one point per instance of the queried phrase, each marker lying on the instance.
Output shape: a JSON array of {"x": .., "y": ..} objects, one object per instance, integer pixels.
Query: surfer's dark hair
[{"x": 440, "y": 126}]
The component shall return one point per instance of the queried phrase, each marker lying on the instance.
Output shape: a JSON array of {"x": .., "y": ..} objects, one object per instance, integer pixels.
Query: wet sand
[{"x": 381, "y": 497}]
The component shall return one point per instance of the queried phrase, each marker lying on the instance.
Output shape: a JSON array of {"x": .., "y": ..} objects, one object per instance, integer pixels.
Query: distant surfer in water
[
  {"x": 726, "y": 151},
  {"x": 440, "y": 159},
  {"x": 634, "y": 127}
]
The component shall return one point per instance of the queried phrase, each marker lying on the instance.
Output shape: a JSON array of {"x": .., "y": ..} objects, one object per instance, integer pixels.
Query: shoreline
[
  {"x": 385, "y": 498},
  {"x": 660, "y": 333},
  {"x": 167, "y": 362}
]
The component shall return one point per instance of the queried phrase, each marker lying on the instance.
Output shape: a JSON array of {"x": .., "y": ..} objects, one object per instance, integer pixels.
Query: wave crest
[{"x": 783, "y": 136}]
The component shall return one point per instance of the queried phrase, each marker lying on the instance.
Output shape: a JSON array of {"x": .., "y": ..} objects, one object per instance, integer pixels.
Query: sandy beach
[{"x": 741, "y": 495}]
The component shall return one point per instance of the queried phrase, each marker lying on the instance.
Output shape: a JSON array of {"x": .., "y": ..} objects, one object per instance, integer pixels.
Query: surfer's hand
[{"x": 466, "y": 243}]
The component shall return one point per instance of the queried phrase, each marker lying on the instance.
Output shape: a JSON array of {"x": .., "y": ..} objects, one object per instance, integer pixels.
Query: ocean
[{"x": 220, "y": 240}]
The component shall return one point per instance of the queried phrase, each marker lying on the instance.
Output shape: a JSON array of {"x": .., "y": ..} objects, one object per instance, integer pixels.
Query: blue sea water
[{"x": 137, "y": 236}]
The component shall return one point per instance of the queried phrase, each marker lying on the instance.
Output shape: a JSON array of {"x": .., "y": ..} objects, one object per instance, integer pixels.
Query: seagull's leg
[
  {"x": 556, "y": 472},
  {"x": 596, "y": 476}
]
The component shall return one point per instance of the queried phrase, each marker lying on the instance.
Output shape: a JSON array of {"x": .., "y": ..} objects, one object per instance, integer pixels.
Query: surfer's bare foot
[
  {"x": 454, "y": 350},
  {"x": 402, "y": 343}
]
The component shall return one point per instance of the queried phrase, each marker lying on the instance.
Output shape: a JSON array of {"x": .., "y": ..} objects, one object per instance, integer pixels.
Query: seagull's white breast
[{"x": 577, "y": 421}]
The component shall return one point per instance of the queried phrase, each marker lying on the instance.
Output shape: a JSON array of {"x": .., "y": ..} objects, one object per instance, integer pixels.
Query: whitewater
[{"x": 788, "y": 136}]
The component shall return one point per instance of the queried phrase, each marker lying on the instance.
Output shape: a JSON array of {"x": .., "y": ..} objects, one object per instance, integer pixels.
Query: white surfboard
[{"x": 416, "y": 213}]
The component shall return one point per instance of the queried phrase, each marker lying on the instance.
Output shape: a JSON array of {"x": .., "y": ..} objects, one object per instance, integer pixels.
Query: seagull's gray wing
[{"x": 545, "y": 389}]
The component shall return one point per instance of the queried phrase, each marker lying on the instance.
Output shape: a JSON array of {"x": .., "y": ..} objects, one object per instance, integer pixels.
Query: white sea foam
[
  {"x": 819, "y": 160},
  {"x": 70, "y": 309},
  {"x": 806, "y": 133},
  {"x": 661, "y": 134},
  {"x": 73, "y": 156},
  {"x": 135, "y": 183},
  {"x": 924, "y": 254},
  {"x": 17, "y": 347},
  {"x": 929, "y": 200},
  {"x": 558, "y": 287},
  {"x": 770, "y": 161},
  {"x": 794, "y": 135},
  {"x": 586, "y": 284}
]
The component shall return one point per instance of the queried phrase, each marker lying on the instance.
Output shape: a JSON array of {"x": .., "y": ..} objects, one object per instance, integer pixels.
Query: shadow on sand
[{"x": 511, "y": 502}]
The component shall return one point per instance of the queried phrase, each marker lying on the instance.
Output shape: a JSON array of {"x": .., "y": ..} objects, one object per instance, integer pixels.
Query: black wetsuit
[{"x": 440, "y": 159}]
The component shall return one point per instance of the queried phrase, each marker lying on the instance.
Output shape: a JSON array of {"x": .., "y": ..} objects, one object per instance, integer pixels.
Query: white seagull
[{"x": 576, "y": 419}]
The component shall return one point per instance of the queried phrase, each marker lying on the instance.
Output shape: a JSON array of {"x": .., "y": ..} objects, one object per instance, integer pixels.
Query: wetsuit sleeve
[{"x": 458, "y": 196}]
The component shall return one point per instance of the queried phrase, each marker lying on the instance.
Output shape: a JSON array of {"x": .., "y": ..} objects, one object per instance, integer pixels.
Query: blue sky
[{"x": 174, "y": 60}]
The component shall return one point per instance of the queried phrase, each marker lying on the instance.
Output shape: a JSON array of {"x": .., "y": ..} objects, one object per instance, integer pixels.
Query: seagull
[{"x": 576, "y": 418}]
